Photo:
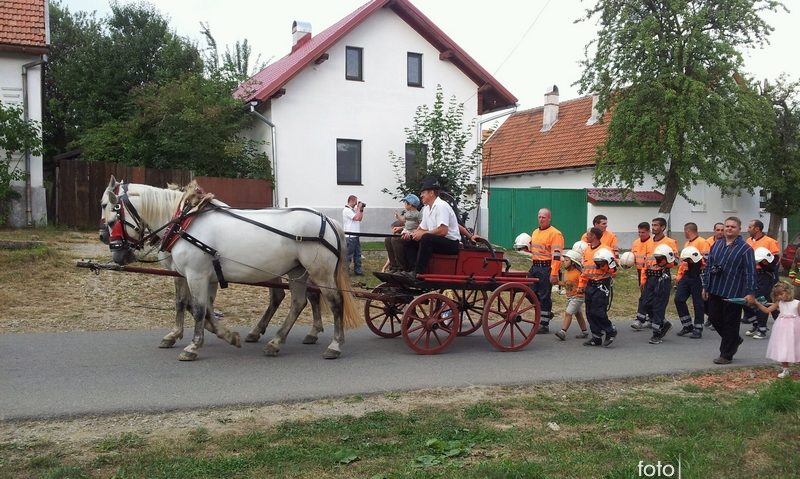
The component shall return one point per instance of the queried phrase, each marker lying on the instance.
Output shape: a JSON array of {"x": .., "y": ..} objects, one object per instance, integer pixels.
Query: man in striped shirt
[{"x": 730, "y": 273}]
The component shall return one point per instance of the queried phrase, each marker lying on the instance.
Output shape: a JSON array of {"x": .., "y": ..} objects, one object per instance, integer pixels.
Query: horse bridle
[{"x": 119, "y": 238}]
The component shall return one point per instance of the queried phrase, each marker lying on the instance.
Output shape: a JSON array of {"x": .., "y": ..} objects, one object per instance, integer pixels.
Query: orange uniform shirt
[
  {"x": 702, "y": 246},
  {"x": 546, "y": 245},
  {"x": 650, "y": 260},
  {"x": 765, "y": 241},
  {"x": 609, "y": 240},
  {"x": 639, "y": 250},
  {"x": 590, "y": 271}
]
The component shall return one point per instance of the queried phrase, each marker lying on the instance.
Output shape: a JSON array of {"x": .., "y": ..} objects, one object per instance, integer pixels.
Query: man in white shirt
[
  {"x": 438, "y": 232},
  {"x": 352, "y": 214}
]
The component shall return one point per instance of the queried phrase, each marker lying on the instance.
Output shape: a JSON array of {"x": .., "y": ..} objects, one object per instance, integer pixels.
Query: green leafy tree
[
  {"x": 17, "y": 137},
  {"x": 439, "y": 139},
  {"x": 781, "y": 175},
  {"x": 232, "y": 66},
  {"x": 668, "y": 71}
]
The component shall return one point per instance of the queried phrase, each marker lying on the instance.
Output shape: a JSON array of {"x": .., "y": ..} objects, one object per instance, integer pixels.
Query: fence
[{"x": 79, "y": 185}]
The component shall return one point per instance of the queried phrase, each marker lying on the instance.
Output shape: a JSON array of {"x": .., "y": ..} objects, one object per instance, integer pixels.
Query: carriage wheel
[
  {"x": 511, "y": 317},
  {"x": 384, "y": 318},
  {"x": 471, "y": 304},
  {"x": 430, "y": 323}
]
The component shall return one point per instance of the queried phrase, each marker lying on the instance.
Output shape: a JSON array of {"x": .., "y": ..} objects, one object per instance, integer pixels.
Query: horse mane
[{"x": 157, "y": 205}]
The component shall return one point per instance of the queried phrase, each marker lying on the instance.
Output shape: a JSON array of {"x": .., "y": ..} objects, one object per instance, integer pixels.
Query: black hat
[{"x": 430, "y": 184}]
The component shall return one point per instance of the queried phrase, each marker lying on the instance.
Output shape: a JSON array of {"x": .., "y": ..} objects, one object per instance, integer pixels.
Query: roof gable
[
  {"x": 519, "y": 146},
  {"x": 22, "y": 25},
  {"x": 269, "y": 81}
]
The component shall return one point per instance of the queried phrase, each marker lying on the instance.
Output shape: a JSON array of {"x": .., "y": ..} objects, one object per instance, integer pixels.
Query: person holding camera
[{"x": 352, "y": 214}]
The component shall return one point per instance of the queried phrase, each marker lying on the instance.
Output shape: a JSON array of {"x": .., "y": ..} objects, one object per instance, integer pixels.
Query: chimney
[
  {"x": 550, "y": 116},
  {"x": 301, "y": 34},
  {"x": 595, "y": 114}
]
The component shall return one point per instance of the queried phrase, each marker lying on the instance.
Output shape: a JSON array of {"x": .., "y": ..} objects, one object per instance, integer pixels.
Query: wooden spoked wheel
[
  {"x": 470, "y": 304},
  {"x": 430, "y": 323},
  {"x": 385, "y": 318},
  {"x": 511, "y": 317}
]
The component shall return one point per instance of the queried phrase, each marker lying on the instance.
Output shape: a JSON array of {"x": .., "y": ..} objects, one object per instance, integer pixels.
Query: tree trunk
[
  {"x": 775, "y": 226},
  {"x": 670, "y": 193}
]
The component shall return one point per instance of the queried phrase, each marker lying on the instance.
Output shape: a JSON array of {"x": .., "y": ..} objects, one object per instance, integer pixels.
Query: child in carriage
[{"x": 572, "y": 262}]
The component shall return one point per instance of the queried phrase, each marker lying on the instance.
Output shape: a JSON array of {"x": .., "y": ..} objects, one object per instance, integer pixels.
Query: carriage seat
[{"x": 467, "y": 262}]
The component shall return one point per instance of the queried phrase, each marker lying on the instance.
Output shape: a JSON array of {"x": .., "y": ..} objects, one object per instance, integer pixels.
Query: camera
[
  {"x": 362, "y": 205},
  {"x": 715, "y": 270}
]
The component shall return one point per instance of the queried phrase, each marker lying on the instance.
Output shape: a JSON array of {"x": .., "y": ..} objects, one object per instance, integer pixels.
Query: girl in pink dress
[{"x": 784, "y": 343}]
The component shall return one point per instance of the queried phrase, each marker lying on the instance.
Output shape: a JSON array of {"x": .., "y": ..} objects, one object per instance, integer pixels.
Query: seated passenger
[{"x": 408, "y": 220}]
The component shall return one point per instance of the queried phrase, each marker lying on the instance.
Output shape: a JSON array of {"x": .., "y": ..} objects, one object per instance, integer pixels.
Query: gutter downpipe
[
  {"x": 479, "y": 137},
  {"x": 275, "y": 196},
  {"x": 26, "y": 117}
]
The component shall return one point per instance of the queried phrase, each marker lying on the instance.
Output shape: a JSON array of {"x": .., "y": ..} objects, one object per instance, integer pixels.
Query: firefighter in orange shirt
[
  {"x": 639, "y": 250},
  {"x": 599, "y": 266},
  {"x": 766, "y": 276},
  {"x": 688, "y": 283},
  {"x": 719, "y": 233},
  {"x": 609, "y": 239},
  {"x": 545, "y": 248},
  {"x": 656, "y": 281}
]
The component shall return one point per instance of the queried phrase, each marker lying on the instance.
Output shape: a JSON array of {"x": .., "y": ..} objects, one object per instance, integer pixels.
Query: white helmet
[
  {"x": 692, "y": 254},
  {"x": 627, "y": 259},
  {"x": 604, "y": 254},
  {"x": 665, "y": 251},
  {"x": 574, "y": 256},
  {"x": 522, "y": 241},
  {"x": 580, "y": 246},
  {"x": 762, "y": 254}
]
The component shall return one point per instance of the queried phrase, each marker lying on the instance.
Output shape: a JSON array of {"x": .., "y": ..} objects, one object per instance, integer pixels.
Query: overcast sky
[{"x": 528, "y": 45}]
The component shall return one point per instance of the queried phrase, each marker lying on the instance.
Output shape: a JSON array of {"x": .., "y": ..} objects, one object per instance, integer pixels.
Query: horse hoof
[
  {"x": 236, "y": 340},
  {"x": 331, "y": 354},
  {"x": 166, "y": 343},
  {"x": 309, "y": 339},
  {"x": 185, "y": 356},
  {"x": 252, "y": 338},
  {"x": 270, "y": 350}
]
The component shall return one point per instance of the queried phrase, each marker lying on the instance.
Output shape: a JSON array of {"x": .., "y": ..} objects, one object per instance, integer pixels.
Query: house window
[
  {"x": 416, "y": 161},
  {"x": 414, "y": 69},
  {"x": 729, "y": 203},
  {"x": 348, "y": 162},
  {"x": 354, "y": 64}
]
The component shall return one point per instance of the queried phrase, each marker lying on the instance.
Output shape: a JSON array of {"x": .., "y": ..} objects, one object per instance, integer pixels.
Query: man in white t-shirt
[
  {"x": 438, "y": 232},
  {"x": 352, "y": 214}
]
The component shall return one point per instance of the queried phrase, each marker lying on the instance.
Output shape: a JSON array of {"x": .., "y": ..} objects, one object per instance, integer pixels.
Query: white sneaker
[{"x": 785, "y": 373}]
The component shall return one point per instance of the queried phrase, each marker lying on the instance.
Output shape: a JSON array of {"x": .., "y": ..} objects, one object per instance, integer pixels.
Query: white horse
[
  {"x": 183, "y": 297},
  {"x": 245, "y": 246}
]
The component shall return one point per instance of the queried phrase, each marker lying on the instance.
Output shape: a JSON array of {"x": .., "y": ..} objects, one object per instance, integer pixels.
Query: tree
[
  {"x": 438, "y": 140},
  {"x": 233, "y": 66},
  {"x": 781, "y": 169},
  {"x": 17, "y": 136},
  {"x": 668, "y": 71}
]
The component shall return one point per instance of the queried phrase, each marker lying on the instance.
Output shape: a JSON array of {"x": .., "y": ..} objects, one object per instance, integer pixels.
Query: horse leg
[
  {"x": 276, "y": 296},
  {"x": 316, "y": 327},
  {"x": 200, "y": 298},
  {"x": 182, "y": 302},
  {"x": 335, "y": 301},
  {"x": 297, "y": 286}
]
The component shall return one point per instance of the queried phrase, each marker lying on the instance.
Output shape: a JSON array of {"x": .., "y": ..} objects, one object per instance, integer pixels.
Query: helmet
[
  {"x": 666, "y": 252},
  {"x": 605, "y": 255},
  {"x": 574, "y": 256},
  {"x": 522, "y": 241},
  {"x": 627, "y": 259},
  {"x": 580, "y": 246},
  {"x": 762, "y": 254},
  {"x": 692, "y": 254}
]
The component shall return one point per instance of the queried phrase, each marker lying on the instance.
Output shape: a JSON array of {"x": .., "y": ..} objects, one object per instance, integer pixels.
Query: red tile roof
[
  {"x": 269, "y": 81},
  {"x": 518, "y": 145},
  {"x": 22, "y": 24},
  {"x": 620, "y": 195}
]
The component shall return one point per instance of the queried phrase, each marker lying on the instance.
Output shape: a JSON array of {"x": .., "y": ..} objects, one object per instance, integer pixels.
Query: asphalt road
[{"x": 68, "y": 374}]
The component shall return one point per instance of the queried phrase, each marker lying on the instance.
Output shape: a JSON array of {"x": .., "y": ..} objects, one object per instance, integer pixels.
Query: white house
[
  {"x": 24, "y": 42},
  {"x": 338, "y": 103},
  {"x": 553, "y": 147}
]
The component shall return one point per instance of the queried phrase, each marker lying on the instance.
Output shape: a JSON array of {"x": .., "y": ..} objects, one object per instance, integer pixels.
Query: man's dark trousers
[
  {"x": 726, "y": 318},
  {"x": 543, "y": 290}
]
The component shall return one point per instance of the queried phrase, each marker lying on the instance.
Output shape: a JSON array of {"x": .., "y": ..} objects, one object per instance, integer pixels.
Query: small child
[
  {"x": 406, "y": 221},
  {"x": 572, "y": 263},
  {"x": 784, "y": 344}
]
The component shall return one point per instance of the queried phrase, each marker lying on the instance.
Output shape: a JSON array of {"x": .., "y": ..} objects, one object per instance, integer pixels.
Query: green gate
[{"x": 513, "y": 211}]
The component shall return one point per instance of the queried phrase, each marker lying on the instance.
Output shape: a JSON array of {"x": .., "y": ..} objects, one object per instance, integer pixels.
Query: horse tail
[{"x": 352, "y": 319}]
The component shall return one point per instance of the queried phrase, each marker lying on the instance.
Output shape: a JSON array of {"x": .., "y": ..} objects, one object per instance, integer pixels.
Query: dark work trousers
[
  {"x": 725, "y": 317},
  {"x": 641, "y": 298},
  {"x": 764, "y": 283},
  {"x": 655, "y": 299},
  {"x": 690, "y": 287},
  {"x": 596, "y": 294},
  {"x": 543, "y": 290},
  {"x": 418, "y": 253}
]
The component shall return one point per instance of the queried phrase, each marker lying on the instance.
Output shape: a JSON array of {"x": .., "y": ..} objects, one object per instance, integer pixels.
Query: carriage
[{"x": 457, "y": 296}]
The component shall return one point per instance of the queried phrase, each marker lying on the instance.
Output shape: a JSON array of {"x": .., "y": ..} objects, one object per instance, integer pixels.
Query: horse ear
[
  {"x": 112, "y": 198},
  {"x": 112, "y": 183}
]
